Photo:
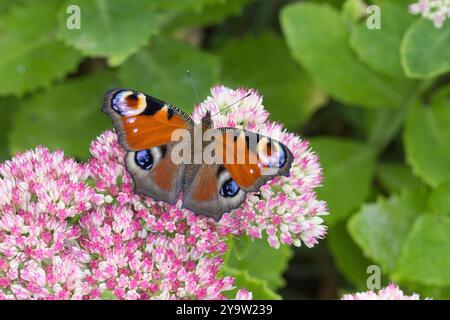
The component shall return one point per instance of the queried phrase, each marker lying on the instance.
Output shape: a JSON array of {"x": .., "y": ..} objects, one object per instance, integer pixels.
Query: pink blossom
[
  {"x": 391, "y": 292},
  {"x": 435, "y": 10},
  {"x": 244, "y": 295},
  {"x": 38, "y": 241}
]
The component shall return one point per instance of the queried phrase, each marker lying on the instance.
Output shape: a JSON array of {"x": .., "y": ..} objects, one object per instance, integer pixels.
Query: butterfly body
[{"x": 146, "y": 127}]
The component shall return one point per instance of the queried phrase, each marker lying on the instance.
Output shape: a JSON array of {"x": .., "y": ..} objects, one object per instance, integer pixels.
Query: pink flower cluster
[
  {"x": 391, "y": 292},
  {"x": 435, "y": 10},
  {"x": 78, "y": 231}
]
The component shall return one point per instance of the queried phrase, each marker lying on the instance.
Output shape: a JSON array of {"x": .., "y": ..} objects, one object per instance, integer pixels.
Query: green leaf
[
  {"x": 427, "y": 142},
  {"x": 348, "y": 168},
  {"x": 67, "y": 117},
  {"x": 334, "y": 3},
  {"x": 433, "y": 292},
  {"x": 257, "y": 287},
  {"x": 353, "y": 10},
  {"x": 209, "y": 13},
  {"x": 439, "y": 199},
  {"x": 6, "y": 5},
  {"x": 196, "y": 5},
  {"x": 240, "y": 246},
  {"x": 286, "y": 88},
  {"x": 111, "y": 29},
  {"x": 425, "y": 256},
  {"x": 30, "y": 56},
  {"x": 395, "y": 177},
  {"x": 8, "y": 106},
  {"x": 402, "y": 3},
  {"x": 380, "y": 48},
  {"x": 382, "y": 125},
  {"x": 108, "y": 295},
  {"x": 154, "y": 72},
  {"x": 441, "y": 96},
  {"x": 381, "y": 228},
  {"x": 425, "y": 50},
  {"x": 262, "y": 262},
  {"x": 347, "y": 256},
  {"x": 318, "y": 38}
]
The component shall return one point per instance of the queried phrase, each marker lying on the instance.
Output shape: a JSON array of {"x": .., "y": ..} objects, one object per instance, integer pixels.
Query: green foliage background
[{"x": 374, "y": 103}]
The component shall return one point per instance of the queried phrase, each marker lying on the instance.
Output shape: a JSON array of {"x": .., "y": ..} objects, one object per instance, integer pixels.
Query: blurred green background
[{"x": 374, "y": 103}]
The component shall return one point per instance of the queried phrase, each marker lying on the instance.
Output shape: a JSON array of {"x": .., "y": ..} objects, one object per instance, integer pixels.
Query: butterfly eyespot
[
  {"x": 128, "y": 103},
  {"x": 144, "y": 159},
  {"x": 281, "y": 157},
  {"x": 229, "y": 188},
  {"x": 272, "y": 154},
  {"x": 133, "y": 97}
]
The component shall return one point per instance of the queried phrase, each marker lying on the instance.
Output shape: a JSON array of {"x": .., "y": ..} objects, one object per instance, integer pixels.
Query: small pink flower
[
  {"x": 243, "y": 294},
  {"x": 435, "y": 10},
  {"x": 391, "y": 292}
]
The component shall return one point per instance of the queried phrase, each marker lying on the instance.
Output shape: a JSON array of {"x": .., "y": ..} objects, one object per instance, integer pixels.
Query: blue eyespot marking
[
  {"x": 229, "y": 188},
  {"x": 275, "y": 159},
  {"x": 282, "y": 157},
  {"x": 116, "y": 99},
  {"x": 144, "y": 159}
]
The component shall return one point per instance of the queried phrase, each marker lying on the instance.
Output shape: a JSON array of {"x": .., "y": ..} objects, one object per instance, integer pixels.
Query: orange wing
[
  {"x": 141, "y": 121},
  {"x": 253, "y": 159},
  {"x": 239, "y": 160}
]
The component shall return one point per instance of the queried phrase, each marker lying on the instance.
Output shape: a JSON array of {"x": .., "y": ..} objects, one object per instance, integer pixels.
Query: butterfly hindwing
[
  {"x": 209, "y": 190},
  {"x": 141, "y": 121},
  {"x": 154, "y": 174}
]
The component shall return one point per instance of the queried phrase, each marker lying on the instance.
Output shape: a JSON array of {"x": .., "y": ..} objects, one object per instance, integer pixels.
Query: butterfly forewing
[{"x": 141, "y": 121}]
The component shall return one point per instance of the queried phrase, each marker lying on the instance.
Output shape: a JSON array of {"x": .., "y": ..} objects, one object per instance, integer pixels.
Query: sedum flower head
[
  {"x": 435, "y": 10},
  {"x": 391, "y": 292},
  {"x": 78, "y": 231},
  {"x": 40, "y": 195}
]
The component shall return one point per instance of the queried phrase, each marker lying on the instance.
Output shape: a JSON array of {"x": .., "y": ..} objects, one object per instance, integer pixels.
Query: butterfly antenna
[
  {"x": 230, "y": 105},
  {"x": 193, "y": 86}
]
